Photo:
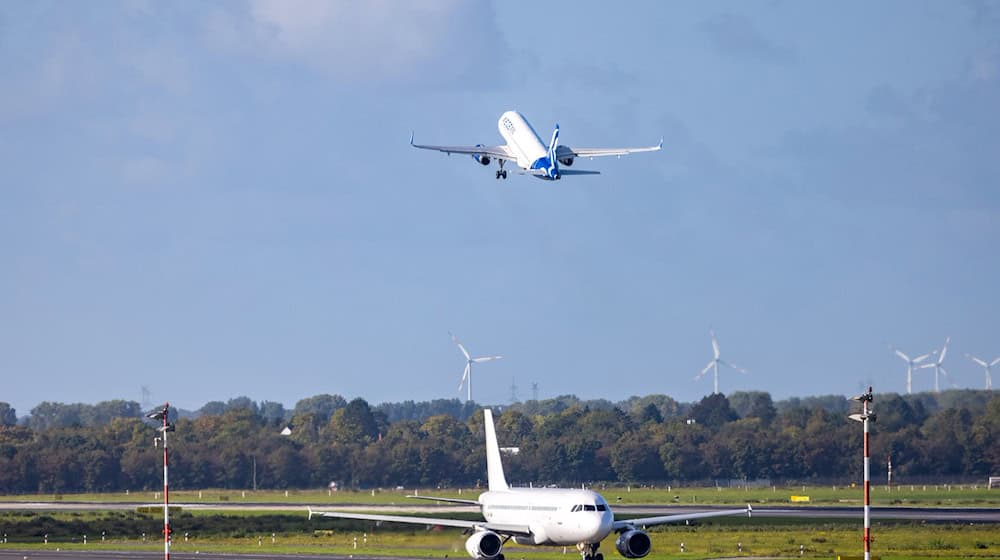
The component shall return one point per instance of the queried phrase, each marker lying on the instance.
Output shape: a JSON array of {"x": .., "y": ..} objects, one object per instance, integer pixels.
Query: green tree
[
  {"x": 713, "y": 411},
  {"x": 322, "y": 406},
  {"x": 8, "y": 416},
  {"x": 354, "y": 423},
  {"x": 636, "y": 458}
]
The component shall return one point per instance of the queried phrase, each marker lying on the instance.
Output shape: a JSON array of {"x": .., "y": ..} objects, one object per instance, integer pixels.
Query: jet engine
[
  {"x": 633, "y": 544},
  {"x": 481, "y": 158},
  {"x": 567, "y": 161},
  {"x": 487, "y": 545}
]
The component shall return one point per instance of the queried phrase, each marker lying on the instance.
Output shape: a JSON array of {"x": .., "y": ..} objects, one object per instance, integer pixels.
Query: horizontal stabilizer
[{"x": 577, "y": 172}]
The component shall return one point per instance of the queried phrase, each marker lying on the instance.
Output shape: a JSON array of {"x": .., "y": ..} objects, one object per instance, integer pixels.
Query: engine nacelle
[
  {"x": 568, "y": 161},
  {"x": 633, "y": 544},
  {"x": 481, "y": 158},
  {"x": 485, "y": 545}
]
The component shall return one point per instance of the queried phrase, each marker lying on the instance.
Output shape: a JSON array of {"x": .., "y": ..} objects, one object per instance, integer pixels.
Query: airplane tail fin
[
  {"x": 554, "y": 144},
  {"x": 494, "y": 468}
]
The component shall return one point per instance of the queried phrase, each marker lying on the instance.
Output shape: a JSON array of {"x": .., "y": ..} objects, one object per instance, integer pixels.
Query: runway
[{"x": 933, "y": 514}]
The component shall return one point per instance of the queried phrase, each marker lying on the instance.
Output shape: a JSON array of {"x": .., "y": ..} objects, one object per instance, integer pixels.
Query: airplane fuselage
[
  {"x": 557, "y": 516},
  {"x": 523, "y": 141}
]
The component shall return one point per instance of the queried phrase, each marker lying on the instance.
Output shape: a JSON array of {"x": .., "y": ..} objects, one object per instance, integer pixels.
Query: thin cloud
[
  {"x": 735, "y": 36},
  {"x": 373, "y": 42}
]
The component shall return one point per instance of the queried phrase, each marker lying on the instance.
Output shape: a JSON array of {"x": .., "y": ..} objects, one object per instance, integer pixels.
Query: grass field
[
  {"x": 965, "y": 495},
  {"x": 721, "y": 539},
  {"x": 246, "y": 532}
]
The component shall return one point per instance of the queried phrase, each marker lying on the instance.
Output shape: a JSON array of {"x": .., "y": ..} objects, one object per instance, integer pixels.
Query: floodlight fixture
[{"x": 157, "y": 414}]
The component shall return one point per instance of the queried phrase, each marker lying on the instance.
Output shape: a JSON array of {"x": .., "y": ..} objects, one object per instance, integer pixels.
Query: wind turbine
[
  {"x": 937, "y": 365},
  {"x": 987, "y": 367},
  {"x": 469, "y": 360},
  {"x": 714, "y": 364},
  {"x": 909, "y": 367}
]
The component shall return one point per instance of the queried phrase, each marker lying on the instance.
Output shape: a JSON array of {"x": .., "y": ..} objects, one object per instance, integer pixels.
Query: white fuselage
[
  {"x": 521, "y": 138},
  {"x": 557, "y": 516}
]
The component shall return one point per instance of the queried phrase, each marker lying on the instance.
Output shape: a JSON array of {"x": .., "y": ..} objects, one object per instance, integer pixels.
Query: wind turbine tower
[
  {"x": 909, "y": 367},
  {"x": 938, "y": 365},
  {"x": 987, "y": 366},
  {"x": 469, "y": 360},
  {"x": 714, "y": 365}
]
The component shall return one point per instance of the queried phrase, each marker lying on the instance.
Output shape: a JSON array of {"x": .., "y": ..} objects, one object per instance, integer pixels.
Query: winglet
[
  {"x": 658, "y": 147},
  {"x": 749, "y": 510},
  {"x": 411, "y": 138},
  {"x": 310, "y": 512}
]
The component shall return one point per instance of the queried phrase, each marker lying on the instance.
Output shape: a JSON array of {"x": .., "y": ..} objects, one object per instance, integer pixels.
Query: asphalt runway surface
[{"x": 934, "y": 514}]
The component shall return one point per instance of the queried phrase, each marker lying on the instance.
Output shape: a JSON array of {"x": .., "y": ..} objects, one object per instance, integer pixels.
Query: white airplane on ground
[
  {"x": 539, "y": 516},
  {"x": 525, "y": 148}
]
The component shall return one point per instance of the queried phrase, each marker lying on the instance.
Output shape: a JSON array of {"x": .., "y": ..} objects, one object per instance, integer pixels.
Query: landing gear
[
  {"x": 501, "y": 174},
  {"x": 589, "y": 551}
]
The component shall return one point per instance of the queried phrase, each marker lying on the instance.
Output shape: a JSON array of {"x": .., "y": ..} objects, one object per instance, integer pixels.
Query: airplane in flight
[
  {"x": 538, "y": 516},
  {"x": 525, "y": 148}
]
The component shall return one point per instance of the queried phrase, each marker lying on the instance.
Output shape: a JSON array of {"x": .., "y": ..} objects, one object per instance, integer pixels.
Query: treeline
[{"x": 650, "y": 439}]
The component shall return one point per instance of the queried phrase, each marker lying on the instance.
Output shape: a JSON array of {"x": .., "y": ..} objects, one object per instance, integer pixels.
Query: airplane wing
[
  {"x": 501, "y": 528},
  {"x": 626, "y": 524},
  {"x": 449, "y": 500},
  {"x": 499, "y": 152},
  {"x": 566, "y": 151}
]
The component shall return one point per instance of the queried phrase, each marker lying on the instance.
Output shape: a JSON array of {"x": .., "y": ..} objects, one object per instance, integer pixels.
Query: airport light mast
[
  {"x": 164, "y": 414},
  {"x": 866, "y": 415}
]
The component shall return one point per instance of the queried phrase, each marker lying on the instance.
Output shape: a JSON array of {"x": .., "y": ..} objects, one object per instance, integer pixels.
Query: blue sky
[{"x": 218, "y": 199}]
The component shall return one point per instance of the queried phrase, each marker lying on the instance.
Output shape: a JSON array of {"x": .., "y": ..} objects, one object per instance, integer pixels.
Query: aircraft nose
[{"x": 603, "y": 524}]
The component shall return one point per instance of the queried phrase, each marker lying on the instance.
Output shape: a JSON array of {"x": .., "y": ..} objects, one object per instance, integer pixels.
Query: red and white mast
[
  {"x": 164, "y": 415},
  {"x": 866, "y": 415}
]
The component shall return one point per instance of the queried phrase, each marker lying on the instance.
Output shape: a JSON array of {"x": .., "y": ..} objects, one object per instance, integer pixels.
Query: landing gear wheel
[
  {"x": 589, "y": 551},
  {"x": 503, "y": 174},
  {"x": 498, "y": 174}
]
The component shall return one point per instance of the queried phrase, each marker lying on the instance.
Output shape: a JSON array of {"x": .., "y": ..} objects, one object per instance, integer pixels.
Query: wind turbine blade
[
  {"x": 486, "y": 359},
  {"x": 460, "y": 347},
  {"x": 925, "y": 366},
  {"x": 904, "y": 356},
  {"x": 465, "y": 375},
  {"x": 734, "y": 366},
  {"x": 977, "y": 360},
  {"x": 995, "y": 362},
  {"x": 715, "y": 345},
  {"x": 919, "y": 359},
  {"x": 944, "y": 349},
  {"x": 706, "y": 370}
]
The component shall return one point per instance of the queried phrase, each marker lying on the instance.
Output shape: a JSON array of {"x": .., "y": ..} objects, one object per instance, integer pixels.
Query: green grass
[
  {"x": 901, "y": 495},
  {"x": 895, "y": 541}
]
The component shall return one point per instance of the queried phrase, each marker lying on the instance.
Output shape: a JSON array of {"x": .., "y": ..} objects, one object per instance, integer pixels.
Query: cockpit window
[
  {"x": 602, "y": 507},
  {"x": 576, "y": 508},
  {"x": 589, "y": 507}
]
